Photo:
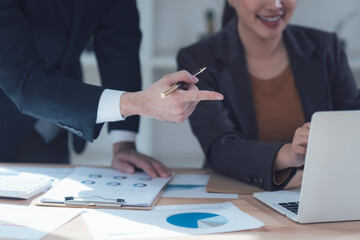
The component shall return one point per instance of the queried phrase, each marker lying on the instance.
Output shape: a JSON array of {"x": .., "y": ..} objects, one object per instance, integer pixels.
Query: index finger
[{"x": 201, "y": 95}]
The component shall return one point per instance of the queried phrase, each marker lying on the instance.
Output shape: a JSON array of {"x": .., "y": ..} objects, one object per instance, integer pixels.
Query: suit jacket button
[
  {"x": 79, "y": 133},
  {"x": 261, "y": 181}
]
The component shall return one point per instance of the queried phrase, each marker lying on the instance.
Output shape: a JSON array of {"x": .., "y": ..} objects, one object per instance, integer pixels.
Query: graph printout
[
  {"x": 106, "y": 185},
  {"x": 168, "y": 221}
]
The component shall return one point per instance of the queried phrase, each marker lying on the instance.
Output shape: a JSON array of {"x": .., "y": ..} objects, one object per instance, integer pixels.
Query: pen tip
[{"x": 202, "y": 69}]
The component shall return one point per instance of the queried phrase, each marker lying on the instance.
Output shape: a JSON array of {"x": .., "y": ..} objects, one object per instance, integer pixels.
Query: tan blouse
[
  {"x": 278, "y": 111},
  {"x": 277, "y": 106}
]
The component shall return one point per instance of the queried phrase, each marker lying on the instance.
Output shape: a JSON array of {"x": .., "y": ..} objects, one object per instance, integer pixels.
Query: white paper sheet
[
  {"x": 168, "y": 221},
  {"x": 192, "y": 186},
  {"x": 27, "y": 222},
  {"x": 106, "y": 185},
  {"x": 55, "y": 173},
  {"x": 190, "y": 179}
]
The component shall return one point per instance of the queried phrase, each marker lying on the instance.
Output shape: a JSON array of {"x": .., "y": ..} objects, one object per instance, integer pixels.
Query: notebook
[{"x": 331, "y": 179}]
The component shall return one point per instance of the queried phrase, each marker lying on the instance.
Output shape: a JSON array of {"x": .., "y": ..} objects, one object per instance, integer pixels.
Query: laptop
[{"x": 330, "y": 189}]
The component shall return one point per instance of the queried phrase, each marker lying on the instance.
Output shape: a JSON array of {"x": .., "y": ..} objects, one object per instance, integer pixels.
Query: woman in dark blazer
[{"x": 273, "y": 76}]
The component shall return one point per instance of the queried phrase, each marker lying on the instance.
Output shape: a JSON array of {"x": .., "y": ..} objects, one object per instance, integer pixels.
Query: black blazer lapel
[
  {"x": 235, "y": 76},
  {"x": 309, "y": 73},
  {"x": 65, "y": 12}
]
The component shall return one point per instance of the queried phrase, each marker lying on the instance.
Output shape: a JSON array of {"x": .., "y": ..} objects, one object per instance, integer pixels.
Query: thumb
[{"x": 181, "y": 76}]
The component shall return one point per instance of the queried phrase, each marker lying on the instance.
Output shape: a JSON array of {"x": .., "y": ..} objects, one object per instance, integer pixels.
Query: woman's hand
[{"x": 293, "y": 154}]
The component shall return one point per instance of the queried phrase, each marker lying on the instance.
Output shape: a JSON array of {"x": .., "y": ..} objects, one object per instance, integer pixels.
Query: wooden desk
[{"x": 276, "y": 226}]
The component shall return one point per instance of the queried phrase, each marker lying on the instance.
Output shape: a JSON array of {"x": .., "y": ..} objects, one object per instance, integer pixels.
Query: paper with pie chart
[
  {"x": 197, "y": 220},
  {"x": 168, "y": 221}
]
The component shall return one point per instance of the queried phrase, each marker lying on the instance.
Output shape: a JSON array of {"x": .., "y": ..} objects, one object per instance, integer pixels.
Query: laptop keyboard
[{"x": 291, "y": 206}]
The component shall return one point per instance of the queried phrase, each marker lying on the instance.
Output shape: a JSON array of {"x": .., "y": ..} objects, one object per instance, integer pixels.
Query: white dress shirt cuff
[
  {"x": 109, "y": 106},
  {"x": 122, "y": 136}
]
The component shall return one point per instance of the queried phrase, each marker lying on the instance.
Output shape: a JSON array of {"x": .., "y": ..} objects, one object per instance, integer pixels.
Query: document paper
[
  {"x": 192, "y": 186},
  {"x": 26, "y": 222},
  {"x": 168, "y": 221},
  {"x": 106, "y": 185}
]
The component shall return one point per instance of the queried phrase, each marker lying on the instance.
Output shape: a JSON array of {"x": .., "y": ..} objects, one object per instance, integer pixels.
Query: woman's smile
[{"x": 271, "y": 20}]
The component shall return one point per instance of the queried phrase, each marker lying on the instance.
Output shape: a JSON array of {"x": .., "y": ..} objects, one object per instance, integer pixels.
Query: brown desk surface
[{"x": 276, "y": 225}]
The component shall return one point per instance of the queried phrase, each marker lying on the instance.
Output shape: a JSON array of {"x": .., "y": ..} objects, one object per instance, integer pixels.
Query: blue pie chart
[{"x": 197, "y": 220}]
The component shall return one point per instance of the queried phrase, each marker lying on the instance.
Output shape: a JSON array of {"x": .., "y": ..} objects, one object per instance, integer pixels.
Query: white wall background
[
  {"x": 329, "y": 15},
  {"x": 168, "y": 25}
]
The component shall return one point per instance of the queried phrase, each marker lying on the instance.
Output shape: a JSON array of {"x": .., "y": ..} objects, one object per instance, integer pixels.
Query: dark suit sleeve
[
  {"x": 36, "y": 90},
  {"x": 227, "y": 150},
  {"x": 117, "y": 41}
]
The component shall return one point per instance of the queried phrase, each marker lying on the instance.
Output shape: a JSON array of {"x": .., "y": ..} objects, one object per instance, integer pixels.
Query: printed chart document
[
  {"x": 192, "y": 186},
  {"x": 26, "y": 222},
  {"x": 168, "y": 221},
  {"x": 105, "y": 186}
]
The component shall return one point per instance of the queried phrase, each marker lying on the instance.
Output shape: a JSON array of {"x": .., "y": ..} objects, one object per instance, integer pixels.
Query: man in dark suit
[{"x": 42, "y": 96}]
